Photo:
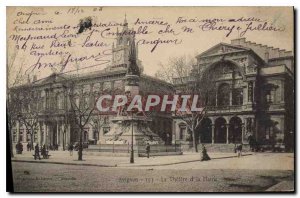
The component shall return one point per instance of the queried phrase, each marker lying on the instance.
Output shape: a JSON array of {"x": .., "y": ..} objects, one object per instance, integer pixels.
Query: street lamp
[{"x": 132, "y": 152}]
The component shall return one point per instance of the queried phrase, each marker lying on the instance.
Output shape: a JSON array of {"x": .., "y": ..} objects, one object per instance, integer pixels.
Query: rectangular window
[
  {"x": 28, "y": 138},
  {"x": 21, "y": 135},
  {"x": 14, "y": 135},
  {"x": 35, "y": 136},
  {"x": 181, "y": 133}
]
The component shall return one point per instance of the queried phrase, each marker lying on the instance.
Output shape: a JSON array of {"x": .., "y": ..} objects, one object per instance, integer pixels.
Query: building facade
[
  {"x": 253, "y": 95},
  {"x": 48, "y": 102}
]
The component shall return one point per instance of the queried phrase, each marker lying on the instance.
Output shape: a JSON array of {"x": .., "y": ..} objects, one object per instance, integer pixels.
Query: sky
[{"x": 209, "y": 26}]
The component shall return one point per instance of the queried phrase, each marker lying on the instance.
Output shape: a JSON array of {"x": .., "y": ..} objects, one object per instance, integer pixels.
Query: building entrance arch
[
  {"x": 235, "y": 130},
  {"x": 205, "y": 131},
  {"x": 220, "y": 130}
]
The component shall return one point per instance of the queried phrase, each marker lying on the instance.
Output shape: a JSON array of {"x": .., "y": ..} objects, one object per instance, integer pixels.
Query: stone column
[
  {"x": 50, "y": 133},
  {"x": 253, "y": 92},
  {"x": 245, "y": 95},
  {"x": 57, "y": 133},
  {"x": 45, "y": 133},
  {"x": 62, "y": 135},
  {"x": 230, "y": 97},
  {"x": 174, "y": 132},
  {"x": 39, "y": 134},
  {"x": 18, "y": 130},
  {"x": 250, "y": 91},
  {"x": 24, "y": 133},
  {"x": 246, "y": 132},
  {"x": 68, "y": 135},
  {"x": 243, "y": 132},
  {"x": 227, "y": 133},
  {"x": 282, "y": 91},
  {"x": 212, "y": 133},
  {"x": 216, "y": 97},
  {"x": 101, "y": 136}
]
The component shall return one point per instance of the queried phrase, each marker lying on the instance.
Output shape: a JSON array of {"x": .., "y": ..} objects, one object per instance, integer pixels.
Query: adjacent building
[{"x": 253, "y": 95}]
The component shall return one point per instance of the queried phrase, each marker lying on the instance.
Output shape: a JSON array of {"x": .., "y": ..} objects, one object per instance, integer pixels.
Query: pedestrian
[
  {"x": 239, "y": 149},
  {"x": 148, "y": 150},
  {"x": 71, "y": 149},
  {"x": 251, "y": 142},
  {"x": 37, "y": 152},
  {"x": 204, "y": 156},
  {"x": 28, "y": 146},
  {"x": 20, "y": 147},
  {"x": 43, "y": 151}
]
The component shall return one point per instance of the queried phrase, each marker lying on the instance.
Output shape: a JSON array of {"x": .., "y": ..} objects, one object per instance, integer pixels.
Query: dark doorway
[
  {"x": 204, "y": 131},
  {"x": 235, "y": 130},
  {"x": 220, "y": 130}
]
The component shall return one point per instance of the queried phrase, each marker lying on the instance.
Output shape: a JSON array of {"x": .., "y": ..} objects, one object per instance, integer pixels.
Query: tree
[
  {"x": 177, "y": 68},
  {"x": 81, "y": 109},
  {"x": 190, "y": 80},
  {"x": 15, "y": 76},
  {"x": 29, "y": 110}
]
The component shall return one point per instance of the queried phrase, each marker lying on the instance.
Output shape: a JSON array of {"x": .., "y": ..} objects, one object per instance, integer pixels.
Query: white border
[{"x": 5, "y": 3}]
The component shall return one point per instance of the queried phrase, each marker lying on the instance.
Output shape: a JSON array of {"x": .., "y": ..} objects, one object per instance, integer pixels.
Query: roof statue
[{"x": 133, "y": 68}]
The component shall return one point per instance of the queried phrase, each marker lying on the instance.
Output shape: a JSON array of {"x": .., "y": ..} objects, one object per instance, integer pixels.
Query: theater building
[{"x": 253, "y": 95}]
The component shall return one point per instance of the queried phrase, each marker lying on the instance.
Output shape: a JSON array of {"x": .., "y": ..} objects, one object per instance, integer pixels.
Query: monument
[{"x": 131, "y": 127}]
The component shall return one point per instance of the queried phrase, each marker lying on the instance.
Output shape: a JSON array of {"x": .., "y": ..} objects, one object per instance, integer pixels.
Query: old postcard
[{"x": 151, "y": 99}]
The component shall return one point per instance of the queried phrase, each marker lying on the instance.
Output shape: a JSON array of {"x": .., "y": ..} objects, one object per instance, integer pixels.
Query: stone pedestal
[{"x": 124, "y": 127}]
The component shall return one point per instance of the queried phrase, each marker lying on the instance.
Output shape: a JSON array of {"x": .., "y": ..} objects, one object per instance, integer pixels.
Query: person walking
[
  {"x": 148, "y": 150},
  {"x": 239, "y": 149},
  {"x": 28, "y": 146},
  {"x": 37, "y": 152},
  {"x": 19, "y": 148},
  {"x": 44, "y": 152},
  {"x": 71, "y": 149}
]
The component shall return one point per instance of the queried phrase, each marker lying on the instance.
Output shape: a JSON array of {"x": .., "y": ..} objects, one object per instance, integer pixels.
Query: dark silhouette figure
[
  {"x": 28, "y": 146},
  {"x": 204, "y": 155},
  {"x": 239, "y": 149},
  {"x": 37, "y": 152},
  {"x": 44, "y": 151},
  {"x": 148, "y": 150},
  {"x": 19, "y": 148},
  {"x": 71, "y": 149}
]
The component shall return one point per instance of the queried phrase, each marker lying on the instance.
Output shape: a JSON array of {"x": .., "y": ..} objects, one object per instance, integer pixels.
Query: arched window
[
  {"x": 223, "y": 97},
  {"x": 182, "y": 131}
]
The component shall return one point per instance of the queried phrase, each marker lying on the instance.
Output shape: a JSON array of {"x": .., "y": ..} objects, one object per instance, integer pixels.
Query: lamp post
[{"x": 132, "y": 152}]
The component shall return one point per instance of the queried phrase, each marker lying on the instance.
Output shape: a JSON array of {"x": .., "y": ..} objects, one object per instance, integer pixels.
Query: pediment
[
  {"x": 52, "y": 79},
  {"x": 222, "y": 48}
]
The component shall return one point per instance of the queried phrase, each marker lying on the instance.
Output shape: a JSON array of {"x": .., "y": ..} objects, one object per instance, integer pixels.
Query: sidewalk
[
  {"x": 284, "y": 186},
  {"x": 63, "y": 157}
]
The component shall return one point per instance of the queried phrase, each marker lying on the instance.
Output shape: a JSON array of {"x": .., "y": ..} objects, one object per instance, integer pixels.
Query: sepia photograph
[{"x": 150, "y": 99}]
